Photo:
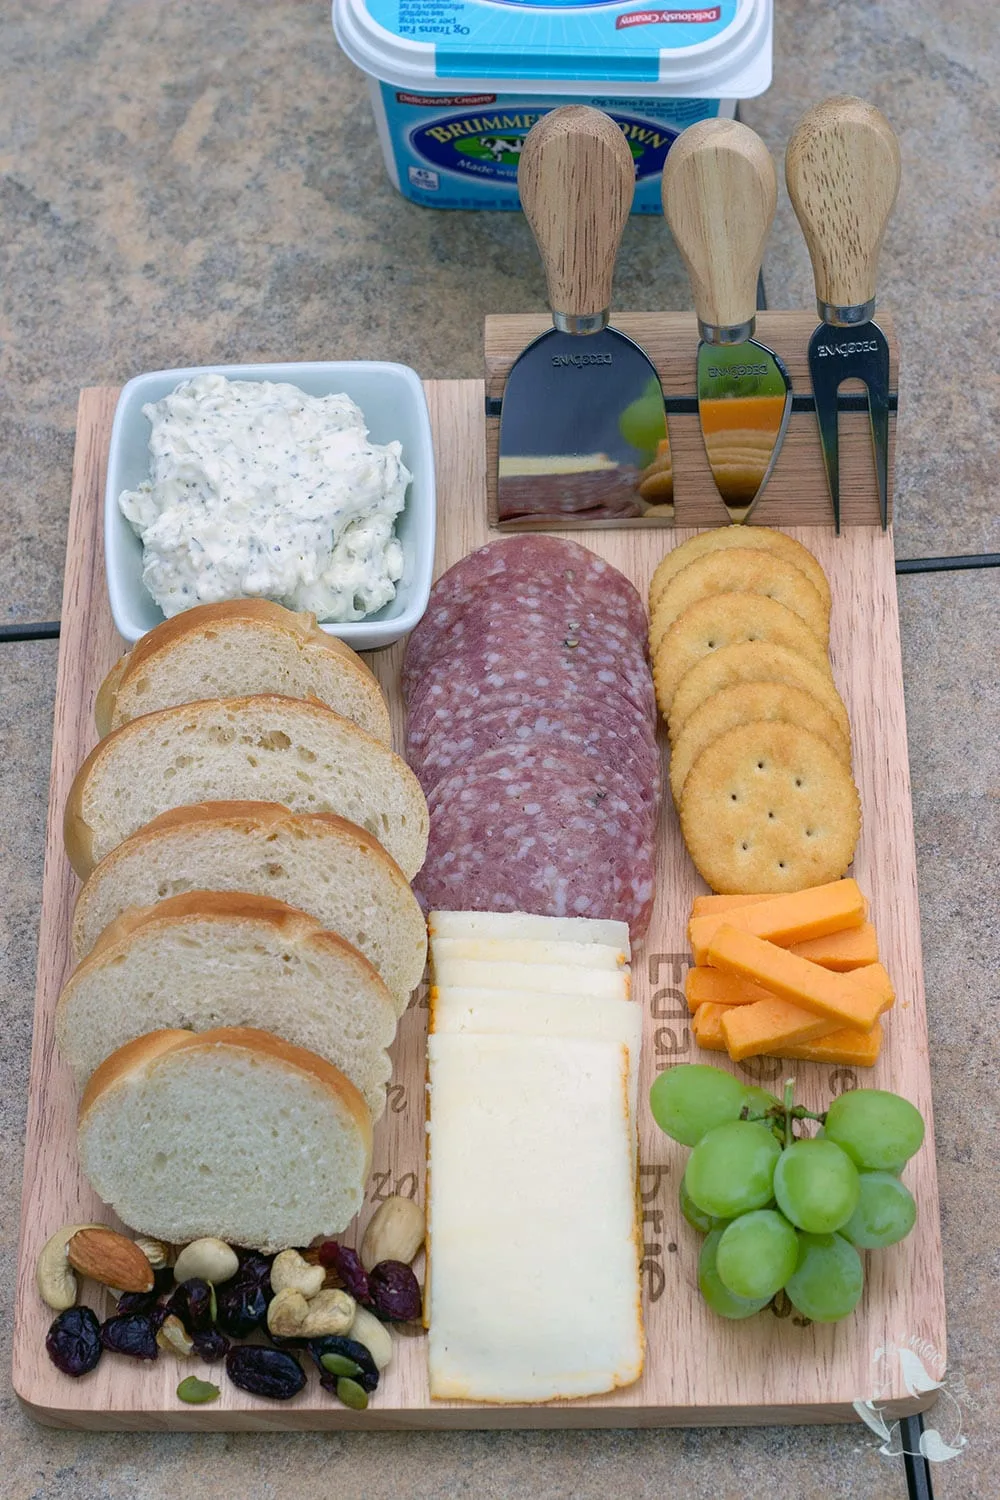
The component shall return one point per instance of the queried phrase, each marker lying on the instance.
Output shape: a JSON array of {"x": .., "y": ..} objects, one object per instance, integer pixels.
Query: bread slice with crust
[
  {"x": 219, "y": 958},
  {"x": 314, "y": 861},
  {"x": 288, "y": 750},
  {"x": 230, "y": 1132},
  {"x": 236, "y": 649}
]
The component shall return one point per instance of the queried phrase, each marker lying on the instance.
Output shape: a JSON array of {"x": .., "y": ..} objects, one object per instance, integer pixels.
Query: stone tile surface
[{"x": 201, "y": 183}]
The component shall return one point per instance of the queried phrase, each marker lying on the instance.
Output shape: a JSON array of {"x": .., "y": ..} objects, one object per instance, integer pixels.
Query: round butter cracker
[
  {"x": 725, "y": 620},
  {"x": 740, "y": 570},
  {"x": 749, "y": 703},
  {"x": 753, "y": 661},
  {"x": 769, "y": 807},
  {"x": 761, "y": 537}
]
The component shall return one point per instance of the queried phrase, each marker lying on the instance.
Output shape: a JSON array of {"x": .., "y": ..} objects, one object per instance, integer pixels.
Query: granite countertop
[{"x": 202, "y": 183}]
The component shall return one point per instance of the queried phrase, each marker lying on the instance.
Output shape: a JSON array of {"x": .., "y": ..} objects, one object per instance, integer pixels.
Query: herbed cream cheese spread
[{"x": 258, "y": 490}]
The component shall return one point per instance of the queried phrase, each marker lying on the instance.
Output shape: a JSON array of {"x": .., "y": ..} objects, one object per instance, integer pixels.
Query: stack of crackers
[{"x": 760, "y": 765}]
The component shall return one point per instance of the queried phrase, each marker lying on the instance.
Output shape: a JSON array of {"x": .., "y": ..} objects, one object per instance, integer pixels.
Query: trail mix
[{"x": 324, "y": 1302}]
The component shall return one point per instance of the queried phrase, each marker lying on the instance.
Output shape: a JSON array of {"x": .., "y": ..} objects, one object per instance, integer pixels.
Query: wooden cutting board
[{"x": 699, "y": 1369}]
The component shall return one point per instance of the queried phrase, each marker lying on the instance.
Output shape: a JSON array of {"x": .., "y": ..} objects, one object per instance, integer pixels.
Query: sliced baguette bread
[
  {"x": 230, "y": 1132},
  {"x": 218, "y": 958},
  {"x": 288, "y": 750},
  {"x": 314, "y": 861},
  {"x": 236, "y": 649}
]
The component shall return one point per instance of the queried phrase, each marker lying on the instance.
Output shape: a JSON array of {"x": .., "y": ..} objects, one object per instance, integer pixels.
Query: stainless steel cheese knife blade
[
  {"x": 583, "y": 432},
  {"x": 719, "y": 195},
  {"x": 842, "y": 170}
]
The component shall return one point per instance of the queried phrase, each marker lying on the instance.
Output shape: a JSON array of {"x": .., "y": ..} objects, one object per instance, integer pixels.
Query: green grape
[
  {"x": 702, "y": 1222},
  {"x": 643, "y": 423},
  {"x": 879, "y": 1131},
  {"x": 759, "y": 1100},
  {"x": 692, "y": 1098},
  {"x": 816, "y": 1185},
  {"x": 718, "y": 1296},
  {"x": 731, "y": 1169},
  {"x": 756, "y": 1254},
  {"x": 885, "y": 1213},
  {"x": 828, "y": 1280}
]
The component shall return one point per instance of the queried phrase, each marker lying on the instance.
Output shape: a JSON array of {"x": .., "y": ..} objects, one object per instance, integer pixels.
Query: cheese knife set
[{"x": 584, "y": 427}]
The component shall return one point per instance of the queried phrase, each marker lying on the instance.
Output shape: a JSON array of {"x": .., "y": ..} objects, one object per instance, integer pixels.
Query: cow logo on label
[{"x": 488, "y": 143}]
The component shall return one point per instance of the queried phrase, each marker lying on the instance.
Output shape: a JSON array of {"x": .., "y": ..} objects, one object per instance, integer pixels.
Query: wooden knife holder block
[{"x": 797, "y": 492}]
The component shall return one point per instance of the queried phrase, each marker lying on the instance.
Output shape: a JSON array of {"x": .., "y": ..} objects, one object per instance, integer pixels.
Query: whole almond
[
  {"x": 395, "y": 1232},
  {"x": 108, "y": 1257}
]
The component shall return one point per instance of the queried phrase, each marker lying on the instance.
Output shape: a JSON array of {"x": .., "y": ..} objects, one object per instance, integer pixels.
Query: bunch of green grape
[{"x": 783, "y": 1213}]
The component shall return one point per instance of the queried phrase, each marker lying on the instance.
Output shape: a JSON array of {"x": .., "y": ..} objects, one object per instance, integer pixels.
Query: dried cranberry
[
  {"x": 346, "y": 1266},
  {"x": 395, "y": 1292},
  {"x": 130, "y": 1333},
  {"x": 350, "y": 1348},
  {"x": 74, "y": 1341},
  {"x": 265, "y": 1372},
  {"x": 192, "y": 1303},
  {"x": 211, "y": 1345},
  {"x": 242, "y": 1306},
  {"x": 255, "y": 1267},
  {"x": 136, "y": 1302}
]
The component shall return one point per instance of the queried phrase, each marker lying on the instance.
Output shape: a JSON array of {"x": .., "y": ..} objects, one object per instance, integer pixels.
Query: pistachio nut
[
  {"x": 368, "y": 1330},
  {"x": 395, "y": 1231},
  {"x": 209, "y": 1259},
  {"x": 290, "y": 1271}
]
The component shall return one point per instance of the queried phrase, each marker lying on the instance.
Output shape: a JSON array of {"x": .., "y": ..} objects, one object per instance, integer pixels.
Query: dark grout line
[{"x": 948, "y": 564}]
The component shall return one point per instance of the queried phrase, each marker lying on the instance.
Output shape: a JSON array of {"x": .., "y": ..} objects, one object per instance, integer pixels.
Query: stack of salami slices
[{"x": 531, "y": 724}]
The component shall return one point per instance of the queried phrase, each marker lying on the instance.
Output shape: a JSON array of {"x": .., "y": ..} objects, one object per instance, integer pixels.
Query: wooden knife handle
[
  {"x": 842, "y": 171},
  {"x": 719, "y": 194},
  {"x": 576, "y": 178}
]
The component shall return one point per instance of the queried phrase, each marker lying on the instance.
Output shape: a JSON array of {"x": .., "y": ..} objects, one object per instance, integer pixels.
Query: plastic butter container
[{"x": 457, "y": 84}]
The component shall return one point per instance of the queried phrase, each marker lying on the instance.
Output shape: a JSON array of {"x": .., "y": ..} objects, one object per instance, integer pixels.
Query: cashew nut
[
  {"x": 377, "y": 1339},
  {"x": 290, "y": 1271},
  {"x": 210, "y": 1259},
  {"x": 287, "y": 1313},
  {"x": 395, "y": 1232},
  {"x": 173, "y": 1337},
  {"x": 54, "y": 1275},
  {"x": 330, "y": 1311}
]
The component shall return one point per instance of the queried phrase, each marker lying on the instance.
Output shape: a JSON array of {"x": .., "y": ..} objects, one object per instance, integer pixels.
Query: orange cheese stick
[
  {"x": 843, "y": 998},
  {"x": 703, "y": 906},
  {"x": 706, "y": 1024},
  {"x": 711, "y": 987},
  {"x": 786, "y": 919},
  {"x": 851, "y": 1048},
  {"x": 842, "y": 951},
  {"x": 766, "y": 1027}
]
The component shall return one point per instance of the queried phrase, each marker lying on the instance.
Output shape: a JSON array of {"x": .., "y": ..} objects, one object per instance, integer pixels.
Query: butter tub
[{"x": 456, "y": 85}]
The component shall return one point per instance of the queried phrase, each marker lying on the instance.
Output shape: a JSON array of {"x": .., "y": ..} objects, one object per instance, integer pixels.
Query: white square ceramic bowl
[{"x": 392, "y": 399}]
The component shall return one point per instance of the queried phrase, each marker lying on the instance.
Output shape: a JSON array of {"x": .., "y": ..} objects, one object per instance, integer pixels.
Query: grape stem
[{"x": 789, "y": 1105}]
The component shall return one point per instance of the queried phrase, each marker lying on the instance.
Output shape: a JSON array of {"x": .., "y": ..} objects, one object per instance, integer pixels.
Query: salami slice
[
  {"x": 523, "y": 569},
  {"x": 538, "y": 832},
  {"x": 601, "y": 732}
]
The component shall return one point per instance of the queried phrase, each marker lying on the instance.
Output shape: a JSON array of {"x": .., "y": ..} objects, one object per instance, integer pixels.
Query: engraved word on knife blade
[
  {"x": 717, "y": 371},
  {"x": 579, "y": 360},
  {"x": 857, "y": 346}
]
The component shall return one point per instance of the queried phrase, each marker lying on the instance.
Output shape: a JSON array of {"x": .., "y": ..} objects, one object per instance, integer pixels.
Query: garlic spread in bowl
[{"x": 259, "y": 490}]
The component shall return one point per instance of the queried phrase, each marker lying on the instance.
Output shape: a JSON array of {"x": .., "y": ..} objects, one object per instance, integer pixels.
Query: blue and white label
[{"x": 456, "y": 151}]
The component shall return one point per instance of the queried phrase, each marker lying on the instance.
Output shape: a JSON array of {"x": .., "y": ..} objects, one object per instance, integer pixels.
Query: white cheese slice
[
  {"x": 526, "y": 925},
  {"x": 530, "y": 951},
  {"x": 533, "y": 1264},
  {"x": 469, "y": 973},
  {"x": 507, "y": 1012}
]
